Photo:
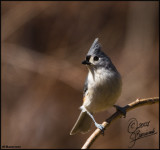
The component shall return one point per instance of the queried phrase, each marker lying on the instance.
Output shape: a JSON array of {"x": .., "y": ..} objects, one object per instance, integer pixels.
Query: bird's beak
[{"x": 85, "y": 62}]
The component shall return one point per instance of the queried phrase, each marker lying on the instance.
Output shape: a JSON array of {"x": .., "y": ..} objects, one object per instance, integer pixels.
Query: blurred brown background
[{"x": 43, "y": 44}]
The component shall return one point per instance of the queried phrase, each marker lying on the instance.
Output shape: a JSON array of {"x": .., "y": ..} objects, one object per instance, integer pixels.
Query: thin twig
[{"x": 116, "y": 115}]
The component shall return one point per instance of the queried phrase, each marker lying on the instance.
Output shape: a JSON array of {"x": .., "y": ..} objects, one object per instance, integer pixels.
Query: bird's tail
[{"x": 82, "y": 124}]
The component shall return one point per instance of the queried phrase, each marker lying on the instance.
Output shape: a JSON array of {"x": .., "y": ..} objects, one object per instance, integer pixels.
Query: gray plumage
[{"x": 101, "y": 89}]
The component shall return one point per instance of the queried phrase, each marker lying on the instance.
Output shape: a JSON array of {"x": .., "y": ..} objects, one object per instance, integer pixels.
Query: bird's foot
[
  {"x": 121, "y": 110},
  {"x": 99, "y": 126}
]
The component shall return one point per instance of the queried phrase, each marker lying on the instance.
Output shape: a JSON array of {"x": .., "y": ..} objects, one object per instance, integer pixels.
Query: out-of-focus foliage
[{"x": 43, "y": 44}]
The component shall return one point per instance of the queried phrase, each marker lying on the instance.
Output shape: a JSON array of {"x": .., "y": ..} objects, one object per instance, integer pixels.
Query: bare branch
[{"x": 116, "y": 115}]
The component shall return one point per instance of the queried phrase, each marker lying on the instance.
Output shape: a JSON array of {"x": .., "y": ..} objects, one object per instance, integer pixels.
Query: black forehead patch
[{"x": 88, "y": 57}]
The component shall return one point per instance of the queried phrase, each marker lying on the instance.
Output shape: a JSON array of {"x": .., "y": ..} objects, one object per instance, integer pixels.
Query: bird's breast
[{"x": 103, "y": 90}]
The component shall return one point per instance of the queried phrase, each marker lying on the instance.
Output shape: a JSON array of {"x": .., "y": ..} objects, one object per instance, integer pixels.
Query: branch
[{"x": 116, "y": 115}]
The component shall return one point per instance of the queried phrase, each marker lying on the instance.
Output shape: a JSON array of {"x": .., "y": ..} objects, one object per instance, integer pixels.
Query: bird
[{"x": 102, "y": 88}]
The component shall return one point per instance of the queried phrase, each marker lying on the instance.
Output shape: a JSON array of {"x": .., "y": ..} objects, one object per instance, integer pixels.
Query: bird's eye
[
  {"x": 88, "y": 57},
  {"x": 96, "y": 58}
]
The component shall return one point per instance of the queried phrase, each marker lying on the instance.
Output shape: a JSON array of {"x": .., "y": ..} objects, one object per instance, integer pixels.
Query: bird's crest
[{"x": 95, "y": 47}]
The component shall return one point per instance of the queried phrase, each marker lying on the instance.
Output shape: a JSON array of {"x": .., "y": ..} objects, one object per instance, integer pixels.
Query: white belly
[{"x": 103, "y": 91}]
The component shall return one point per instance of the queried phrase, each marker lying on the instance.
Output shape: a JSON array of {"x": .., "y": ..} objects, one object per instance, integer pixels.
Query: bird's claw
[
  {"x": 121, "y": 110},
  {"x": 99, "y": 126}
]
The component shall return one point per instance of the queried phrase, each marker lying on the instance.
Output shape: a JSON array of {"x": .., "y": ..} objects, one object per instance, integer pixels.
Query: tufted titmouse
[{"x": 101, "y": 90}]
